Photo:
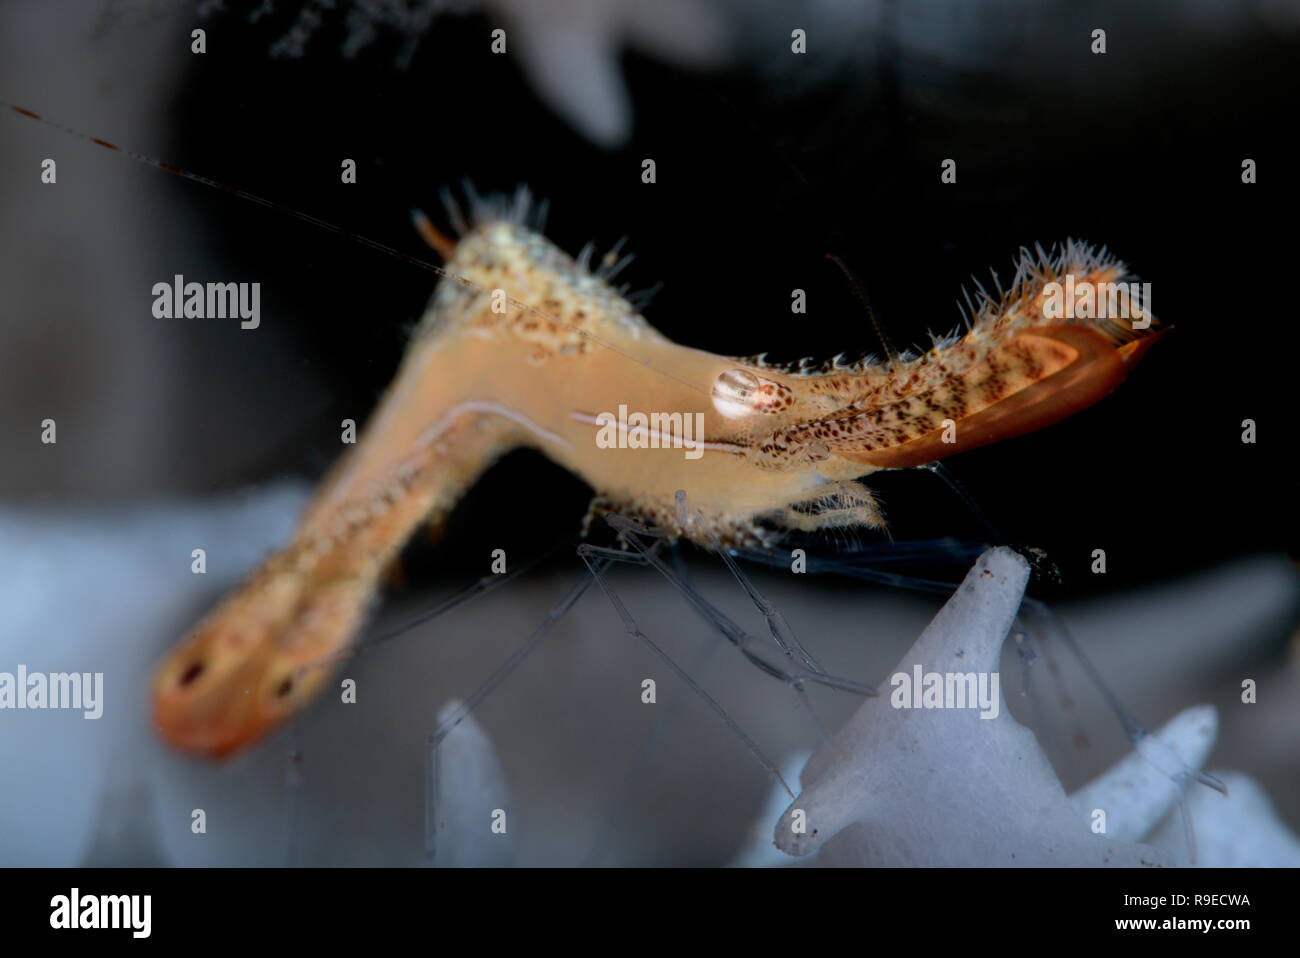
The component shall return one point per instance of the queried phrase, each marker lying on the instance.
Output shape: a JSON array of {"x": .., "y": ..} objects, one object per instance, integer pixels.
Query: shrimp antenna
[{"x": 861, "y": 294}]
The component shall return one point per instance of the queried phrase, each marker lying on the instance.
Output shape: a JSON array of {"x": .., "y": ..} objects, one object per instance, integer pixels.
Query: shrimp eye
[
  {"x": 285, "y": 687},
  {"x": 736, "y": 393},
  {"x": 190, "y": 674}
]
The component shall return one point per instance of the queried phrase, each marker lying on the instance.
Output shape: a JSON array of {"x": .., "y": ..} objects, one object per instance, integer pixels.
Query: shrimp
[{"x": 523, "y": 346}]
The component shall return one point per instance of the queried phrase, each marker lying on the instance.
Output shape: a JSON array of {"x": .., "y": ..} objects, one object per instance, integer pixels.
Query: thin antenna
[
  {"x": 366, "y": 241},
  {"x": 957, "y": 486},
  {"x": 225, "y": 188},
  {"x": 861, "y": 293}
]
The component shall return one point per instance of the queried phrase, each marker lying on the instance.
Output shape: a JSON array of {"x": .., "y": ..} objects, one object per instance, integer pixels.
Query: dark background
[{"x": 761, "y": 175}]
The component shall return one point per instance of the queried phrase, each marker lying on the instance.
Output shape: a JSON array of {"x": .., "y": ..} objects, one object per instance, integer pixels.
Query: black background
[
  {"x": 366, "y": 903},
  {"x": 760, "y": 176}
]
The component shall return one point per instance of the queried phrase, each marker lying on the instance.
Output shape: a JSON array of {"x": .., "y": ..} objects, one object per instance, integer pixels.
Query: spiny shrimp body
[{"x": 524, "y": 346}]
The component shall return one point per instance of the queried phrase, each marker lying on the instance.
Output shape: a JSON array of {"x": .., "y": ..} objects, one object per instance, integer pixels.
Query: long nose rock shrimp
[{"x": 522, "y": 345}]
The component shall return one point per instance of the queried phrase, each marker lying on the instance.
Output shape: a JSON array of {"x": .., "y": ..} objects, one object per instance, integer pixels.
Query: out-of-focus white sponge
[{"x": 944, "y": 786}]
